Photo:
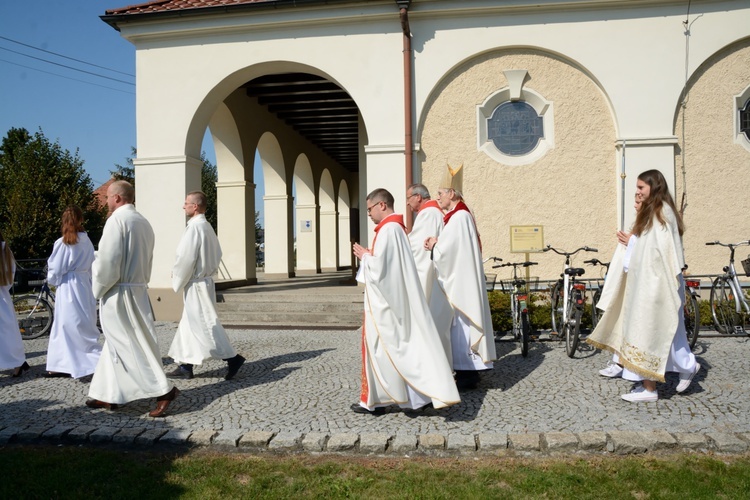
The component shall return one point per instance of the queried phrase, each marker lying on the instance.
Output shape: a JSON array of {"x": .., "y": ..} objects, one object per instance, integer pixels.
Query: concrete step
[
  {"x": 291, "y": 306},
  {"x": 302, "y": 302}
]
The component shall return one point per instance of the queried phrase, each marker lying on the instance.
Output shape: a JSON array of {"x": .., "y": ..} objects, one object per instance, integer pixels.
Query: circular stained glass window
[{"x": 515, "y": 128}]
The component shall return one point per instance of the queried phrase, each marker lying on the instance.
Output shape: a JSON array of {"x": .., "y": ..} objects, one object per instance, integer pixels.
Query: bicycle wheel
[
  {"x": 594, "y": 311},
  {"x": 34, "y": 316},
  {"x": 525, "y": 334},
  {"x": 722, "y": 306},
  {"x": 692, "y": 318},
  {"x": 556, "y": 303},
  {"x": 572, "y": 332}
]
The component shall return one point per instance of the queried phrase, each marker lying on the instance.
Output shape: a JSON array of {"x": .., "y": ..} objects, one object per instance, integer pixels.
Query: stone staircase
[{"x": 319, "y": 302}]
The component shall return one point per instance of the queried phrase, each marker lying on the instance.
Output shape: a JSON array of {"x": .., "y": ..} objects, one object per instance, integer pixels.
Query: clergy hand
[
  {"x": 623, "y": 237},
  {"x": 429, "y": 243},
  {"x": 360, "y": 251}
]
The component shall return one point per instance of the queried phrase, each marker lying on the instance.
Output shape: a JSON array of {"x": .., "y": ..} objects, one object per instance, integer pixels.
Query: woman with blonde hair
[
  {"x": 73, "y": 344},
  {"x": 11, "y": 343},
  {"x": 644, "y": 298}
]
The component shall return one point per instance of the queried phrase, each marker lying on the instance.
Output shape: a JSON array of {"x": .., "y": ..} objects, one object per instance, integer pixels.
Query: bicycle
[
  {"x": 728, "y": 304},
  {"x": 567, "y": 300},
  {"x": 598, "y": 293},
  {"x": 35, "y": 312},
  {"x": 518, "y": 305}
]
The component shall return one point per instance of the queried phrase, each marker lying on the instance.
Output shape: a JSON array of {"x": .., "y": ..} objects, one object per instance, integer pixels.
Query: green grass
[{"x": 77, "y": 472}]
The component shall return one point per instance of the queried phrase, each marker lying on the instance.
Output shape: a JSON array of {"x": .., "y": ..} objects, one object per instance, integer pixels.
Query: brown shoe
[
  {"x": 95, "y": 403},
  {"x": 162, "y": 403}
]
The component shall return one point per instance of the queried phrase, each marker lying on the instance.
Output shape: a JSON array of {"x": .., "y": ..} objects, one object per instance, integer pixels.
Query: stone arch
[
  {"x": 233, "y": 190},
  {"x": 306, "y": 211},
  {"x": 328, "y": 224},
  {"x": 343, "y": 207},
  {"x": 581, "y": 166},
  {"x": 276, "y": 206},
  {"x": 716, "y": 167}
]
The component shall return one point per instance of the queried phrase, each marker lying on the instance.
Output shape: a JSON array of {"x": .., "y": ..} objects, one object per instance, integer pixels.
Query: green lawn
[{"x": 80, "y": 472}]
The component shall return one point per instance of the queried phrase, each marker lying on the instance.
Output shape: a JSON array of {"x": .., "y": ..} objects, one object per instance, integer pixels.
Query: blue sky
[{"x": 94, "y": 114}]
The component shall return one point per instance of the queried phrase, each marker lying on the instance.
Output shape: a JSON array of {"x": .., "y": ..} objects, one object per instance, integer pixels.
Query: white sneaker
[
  {"x": 612, "y": 370},
  {"x": 686, "y": 378},
  {"x": 641, "y": 395}
]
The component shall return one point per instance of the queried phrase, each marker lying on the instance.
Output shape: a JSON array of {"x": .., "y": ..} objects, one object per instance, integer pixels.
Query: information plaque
[{"x": 526, "y": 239}]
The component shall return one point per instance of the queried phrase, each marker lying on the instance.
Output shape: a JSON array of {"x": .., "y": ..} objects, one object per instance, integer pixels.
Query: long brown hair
[
  {"x": 652, "y": 206},
  {"x": 72, "y": 224},
  {"x": 6, "y": 263}
]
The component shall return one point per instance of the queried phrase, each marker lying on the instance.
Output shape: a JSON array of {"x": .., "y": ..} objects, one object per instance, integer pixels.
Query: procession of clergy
[
  {"x": 427, "y": 329},
  {"x": 130, "y": 366}
]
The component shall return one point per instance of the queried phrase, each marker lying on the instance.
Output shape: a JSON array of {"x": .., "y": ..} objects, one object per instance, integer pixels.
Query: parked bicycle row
[{"x": 573, "y": 300}]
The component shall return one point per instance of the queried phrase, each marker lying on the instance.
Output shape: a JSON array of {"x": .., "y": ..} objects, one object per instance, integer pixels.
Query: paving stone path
[{"x": 295, "y": 390}]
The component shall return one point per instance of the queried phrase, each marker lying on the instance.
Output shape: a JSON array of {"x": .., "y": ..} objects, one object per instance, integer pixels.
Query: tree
[
  {"x": 126, "y": 173},
  {"x": 38, "y": 179},
  {"x": 209, "y": 176}
]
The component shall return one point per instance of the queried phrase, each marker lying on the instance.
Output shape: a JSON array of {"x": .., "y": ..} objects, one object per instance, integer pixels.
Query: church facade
[{"x": 553, "y": 108}]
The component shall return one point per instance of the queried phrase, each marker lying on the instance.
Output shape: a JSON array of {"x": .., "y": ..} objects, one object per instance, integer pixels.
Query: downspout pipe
[{"x": 403, "y": 6}]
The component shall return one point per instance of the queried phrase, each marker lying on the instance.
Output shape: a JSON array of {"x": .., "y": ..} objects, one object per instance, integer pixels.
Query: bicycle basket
[{"x": 746, "y": 265}]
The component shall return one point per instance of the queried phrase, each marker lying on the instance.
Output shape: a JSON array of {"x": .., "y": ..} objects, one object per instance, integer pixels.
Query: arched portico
[
  {"x": 328, "y": 223},
  {"x": 306, "y": 211}
]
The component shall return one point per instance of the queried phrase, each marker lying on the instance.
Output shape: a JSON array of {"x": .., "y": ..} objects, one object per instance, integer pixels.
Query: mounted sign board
[
  {"x": 305, "y": 226},
  {"x": 526, "y": 239}
]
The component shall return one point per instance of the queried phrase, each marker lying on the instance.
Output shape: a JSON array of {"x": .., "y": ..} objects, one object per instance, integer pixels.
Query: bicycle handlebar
[
  {"x": 515, "y": 264},
  {"x": 569, "y": 254},
  {"x": 728, "y": 245}
]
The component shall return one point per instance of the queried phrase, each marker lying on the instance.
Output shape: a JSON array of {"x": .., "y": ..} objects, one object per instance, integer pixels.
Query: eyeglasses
[
  {"x": 373, "y": 206},
  {"x": 411, "y": 196}
]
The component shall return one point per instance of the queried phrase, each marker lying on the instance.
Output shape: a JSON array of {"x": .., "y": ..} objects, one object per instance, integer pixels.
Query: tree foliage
[{"x": 38, "y": 179}]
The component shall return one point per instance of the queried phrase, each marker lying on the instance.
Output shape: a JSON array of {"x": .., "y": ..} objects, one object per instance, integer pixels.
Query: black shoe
[
  {"x": 412, "y": 413},
  {"x": 23, "y": 368},
  {"x": 56, "y": 375},
  {"x": 233, "y": 366},
  {"x": 467, "y": 379},
  {"x": 358, "y": 408},
  {"x": 181, "y": 372}
]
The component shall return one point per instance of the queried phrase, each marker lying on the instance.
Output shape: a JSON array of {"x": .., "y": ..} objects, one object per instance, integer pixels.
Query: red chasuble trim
[
  {"x": 391, "y": 218},
  {"x": 431, "y": 203},
  {"x": 364, "y": 392},
  {"x": 462, "y": 206}
]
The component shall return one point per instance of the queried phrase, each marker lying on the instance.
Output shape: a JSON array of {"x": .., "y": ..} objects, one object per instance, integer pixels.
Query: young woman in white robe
[
  {"x": 73, "y": 349},
  {"x": 643, "y": 321},
  {"x": 11, "y": 344}
]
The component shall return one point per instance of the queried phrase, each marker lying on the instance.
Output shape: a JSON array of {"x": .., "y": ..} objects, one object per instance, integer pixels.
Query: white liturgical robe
[
  {"x": 403, "y": 361},
  {"x": 130, "y": 366},
  {"x": 458, "y": 260},
  {"x": 74, "y": 339},
  {"x": 11, "y": 344},
  {"x": 643, "y": 306},
  {"x": 429, "y": 223},
  {"x": 200, "y": 335}
]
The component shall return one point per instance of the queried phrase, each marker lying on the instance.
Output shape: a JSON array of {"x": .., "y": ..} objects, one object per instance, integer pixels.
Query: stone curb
[{"x": 435, "y": 444}]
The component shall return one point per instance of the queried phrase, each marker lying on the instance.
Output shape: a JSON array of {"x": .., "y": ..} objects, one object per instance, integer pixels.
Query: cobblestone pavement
[{"x": 298, "y": 383}]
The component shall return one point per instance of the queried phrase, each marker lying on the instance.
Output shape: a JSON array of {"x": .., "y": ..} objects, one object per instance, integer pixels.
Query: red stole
[
  {"x": 430, "y": 203},
  {"x": 462, "y": 206},
  {"x": 365, "y": 390}
]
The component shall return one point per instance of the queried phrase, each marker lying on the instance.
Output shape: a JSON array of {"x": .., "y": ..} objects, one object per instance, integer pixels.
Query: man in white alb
[
  {"x": 457, "y": 254},
  {"x": 199, "y": 336},
  {"x": 428, "y": 221},
  {"x": 130, "y": 365},
  {"x": 403, "y": 362}
]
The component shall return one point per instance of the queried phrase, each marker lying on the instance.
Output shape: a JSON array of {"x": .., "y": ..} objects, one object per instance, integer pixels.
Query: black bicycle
[
  {"x": 595, "y": 314},
  {"x": 568, "y": 299},
  {"x": 35, "y": 312},
  {"x": 519, "y": 305}
]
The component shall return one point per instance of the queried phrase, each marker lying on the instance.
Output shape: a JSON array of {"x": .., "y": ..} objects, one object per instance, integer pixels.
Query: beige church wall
[
  {"x": 569, "y": 191},
  {"x": 717, "y": 170}
]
